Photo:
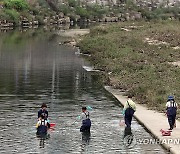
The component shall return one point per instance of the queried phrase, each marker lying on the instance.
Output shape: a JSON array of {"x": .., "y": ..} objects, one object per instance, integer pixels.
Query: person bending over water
[{"x": 86, "y": 122}]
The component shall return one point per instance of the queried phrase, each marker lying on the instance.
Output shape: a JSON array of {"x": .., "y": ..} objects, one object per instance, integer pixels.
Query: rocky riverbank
[{"x": 62, "y": 19}]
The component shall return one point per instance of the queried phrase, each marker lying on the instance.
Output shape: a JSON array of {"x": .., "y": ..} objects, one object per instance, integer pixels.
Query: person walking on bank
[
  {"x": 129, "y": 109},
  {"x": 171, "y": 109}
]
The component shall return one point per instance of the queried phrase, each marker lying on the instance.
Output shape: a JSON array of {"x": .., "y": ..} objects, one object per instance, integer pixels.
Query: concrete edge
[{"x": 165, "y": 146}]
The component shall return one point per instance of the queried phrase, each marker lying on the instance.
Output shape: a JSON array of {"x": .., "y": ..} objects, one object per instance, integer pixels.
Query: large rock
[
  {"x": 45, "y": 21},
  {"x": 127, "y": 16},
  {"x": 60, "y": 21},
  {"x": 108, "y": 19},
  {"x": 114, "y": 19},
  {"x": 61, "y": 15},
  {"x": 137, "y": 15},
  {"x": 35, "y": 22},
  {"x": 67, "y": 20},
  {"x": 5, "y": 23}
]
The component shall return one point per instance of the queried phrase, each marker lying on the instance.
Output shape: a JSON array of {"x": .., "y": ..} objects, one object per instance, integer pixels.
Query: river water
[{"x": 35, "y": 69}]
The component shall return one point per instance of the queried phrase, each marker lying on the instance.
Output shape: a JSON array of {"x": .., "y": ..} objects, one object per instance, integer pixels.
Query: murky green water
[{"x": 35, "y": 69}]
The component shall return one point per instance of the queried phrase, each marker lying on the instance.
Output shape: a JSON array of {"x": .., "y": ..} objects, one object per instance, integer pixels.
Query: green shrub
[
  {"x": 40, "y": 19},
  {"x": 97, "y": 11},
  {"x": 98, "y": 31},
  {"x": 18, "y": 5},
  {"x": 42, "y": 3},
  {"x": 34, "y": 11},
  {"x": 82, "y": 12},
  {"x": 4, "y": 16},
  {"x": 11, "y": 15},
  {"x": 65, "y": 9},
  {"x": 72, "y": 3}
]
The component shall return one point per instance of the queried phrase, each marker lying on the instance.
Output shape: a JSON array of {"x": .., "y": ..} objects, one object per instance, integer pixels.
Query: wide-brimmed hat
[{"x": 170, "y": 97}]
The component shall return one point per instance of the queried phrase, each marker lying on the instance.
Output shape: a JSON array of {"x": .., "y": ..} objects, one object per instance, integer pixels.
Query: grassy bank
[{"x": 135, "y": 57}]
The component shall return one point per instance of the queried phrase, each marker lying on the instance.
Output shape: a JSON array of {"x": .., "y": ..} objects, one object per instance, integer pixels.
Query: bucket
[
  {"x": 52, "y": 125},
  {"x": 121, "y": 123}
]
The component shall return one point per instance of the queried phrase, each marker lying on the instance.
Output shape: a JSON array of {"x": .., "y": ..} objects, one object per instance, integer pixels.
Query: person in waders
[
  {"x": 129, "y": 109},
  {"x": 86, "y": 122},
  {"x": 128, "y": 138},
  {"x": 42, "y": 126},
  {"x": 43, "y": 111},
  {"x": 171, "y": 109}
]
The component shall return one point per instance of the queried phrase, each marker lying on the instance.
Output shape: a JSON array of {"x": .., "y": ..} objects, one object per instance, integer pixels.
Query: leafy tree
[{"x": 12, "y": 15}]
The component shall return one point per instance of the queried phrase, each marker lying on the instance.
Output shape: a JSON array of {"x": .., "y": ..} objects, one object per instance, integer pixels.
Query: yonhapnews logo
[{"x": 130, "y": 141}]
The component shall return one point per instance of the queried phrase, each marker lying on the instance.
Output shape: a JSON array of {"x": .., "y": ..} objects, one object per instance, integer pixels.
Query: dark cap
[
  {"x": 83, "y": 108},
  {"x": 43, "y": 105}
]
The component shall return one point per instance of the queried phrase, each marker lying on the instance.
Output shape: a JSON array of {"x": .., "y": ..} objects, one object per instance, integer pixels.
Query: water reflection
[
  {"x": 85, "y": 139},
  {"x": 127, "y": 132},
  {"x": 67, "y": 26},
  {"x": 42, "y": 139},
  {"x": 128, "y": 137}
]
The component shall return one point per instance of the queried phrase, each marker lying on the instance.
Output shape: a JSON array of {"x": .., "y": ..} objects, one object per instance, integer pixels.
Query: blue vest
[
  {"x": 42, "y": 129},
  {"x": 171, "y": 110},
  {"x": 87, "y": 121}
]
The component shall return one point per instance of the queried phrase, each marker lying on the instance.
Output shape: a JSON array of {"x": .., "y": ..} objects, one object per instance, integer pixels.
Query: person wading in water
[
  {"x": 42, "y": 126},
  {"x": 129, "y": 109},
  {"x": 43, "y": 111},
  {"x": 86, "y": 122}
]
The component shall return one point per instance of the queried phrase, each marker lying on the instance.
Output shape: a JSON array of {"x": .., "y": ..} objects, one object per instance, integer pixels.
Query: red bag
[{"x": 165, "y": 132}]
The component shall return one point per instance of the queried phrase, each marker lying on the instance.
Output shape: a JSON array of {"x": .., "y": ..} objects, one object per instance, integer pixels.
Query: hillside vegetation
[
  {"x": 16, "y": 10},
  {"x": 136, "y": 57}
]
